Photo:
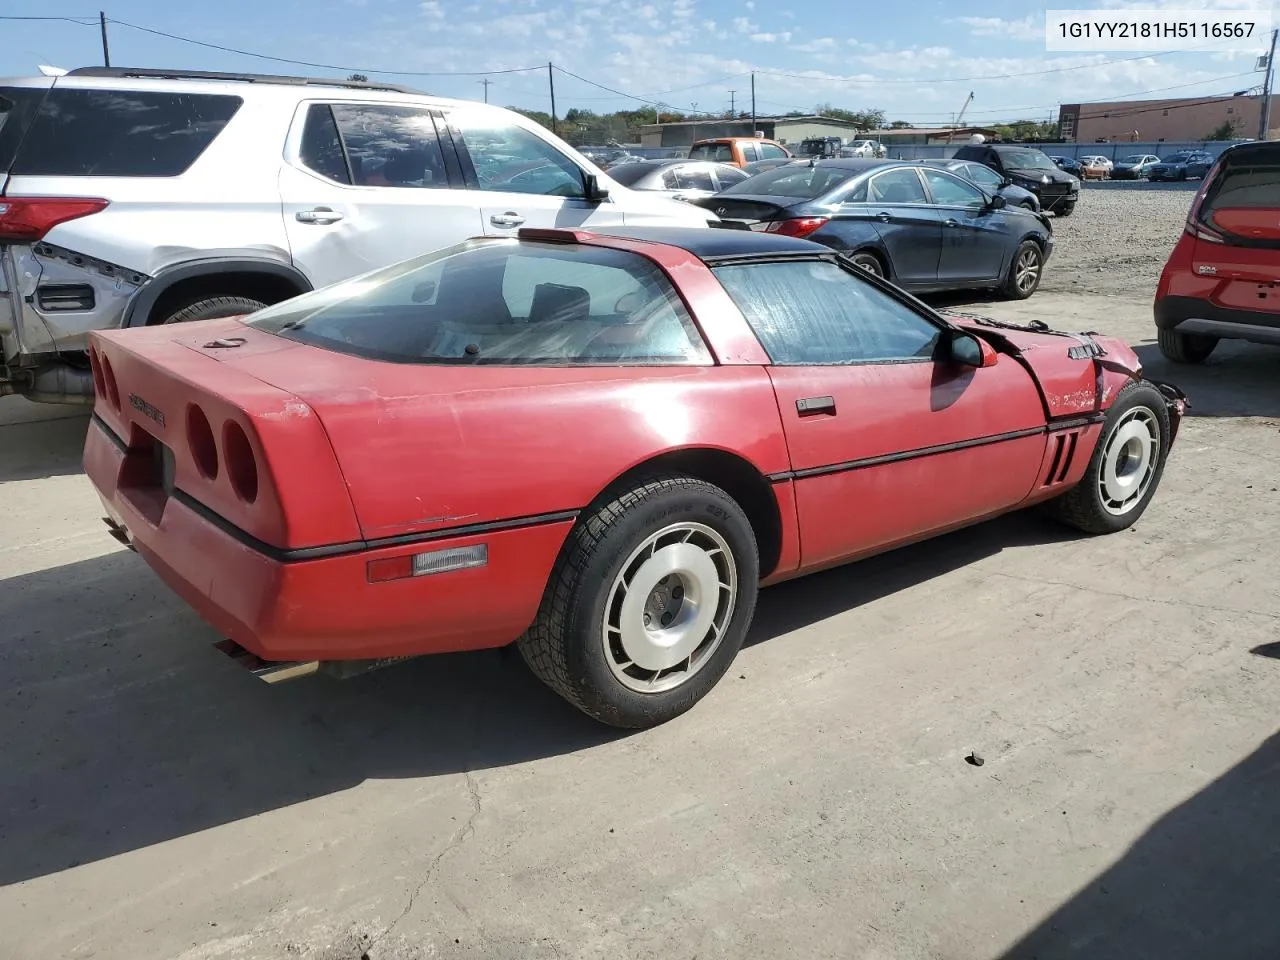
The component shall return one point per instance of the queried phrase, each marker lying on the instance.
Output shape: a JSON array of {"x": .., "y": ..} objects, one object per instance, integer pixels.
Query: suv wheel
[
  {"x": 1185, "y": 347},
  {"x": 213, "y": 307}
]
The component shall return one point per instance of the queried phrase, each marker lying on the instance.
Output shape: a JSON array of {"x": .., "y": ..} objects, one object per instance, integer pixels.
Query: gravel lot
[
  {"x": 1118, "y": 237},
  {"x": 1124, "y": 692}
]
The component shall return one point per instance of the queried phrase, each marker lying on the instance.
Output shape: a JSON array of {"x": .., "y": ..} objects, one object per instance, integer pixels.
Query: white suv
[{"x": 138, "y": 197}]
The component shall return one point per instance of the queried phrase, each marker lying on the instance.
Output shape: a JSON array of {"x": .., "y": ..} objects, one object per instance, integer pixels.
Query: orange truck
[{"x": 737, "y": 151}]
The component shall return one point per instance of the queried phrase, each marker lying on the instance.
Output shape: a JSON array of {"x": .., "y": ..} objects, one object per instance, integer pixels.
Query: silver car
[{"x": 680, "y": 179}]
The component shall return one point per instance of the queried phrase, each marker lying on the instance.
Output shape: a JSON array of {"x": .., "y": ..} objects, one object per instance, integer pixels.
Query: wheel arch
[
  {"x": 732, "y": 473},
  {"x": 172, "y": 288}
]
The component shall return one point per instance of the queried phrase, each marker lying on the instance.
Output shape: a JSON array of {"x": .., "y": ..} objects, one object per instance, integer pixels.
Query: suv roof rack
[{"x": 160, "y": 74}]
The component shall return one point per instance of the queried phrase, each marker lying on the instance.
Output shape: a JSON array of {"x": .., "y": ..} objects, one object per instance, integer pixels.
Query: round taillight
[
  {"x": 204, "y": 451},
  {"x": 109, "y": 382},
  {"x": 95, "y": 367},
  {"x": 242, "y": 465}
]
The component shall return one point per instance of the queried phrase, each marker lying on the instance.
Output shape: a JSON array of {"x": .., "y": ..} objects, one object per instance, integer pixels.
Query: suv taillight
[
  {"x": 1195, "y": 226},
  {"x": 28, "y": 219}
]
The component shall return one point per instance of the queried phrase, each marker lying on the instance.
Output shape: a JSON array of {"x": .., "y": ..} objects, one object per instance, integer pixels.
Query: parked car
[
  {"x": 991, "y": 182},
  {"x": 924, "y": 228},
  {"x": 139, "y": 197},
  {"x": 1222, "y": 279},
  {"x": 760, "y": 166},
  {"x": 737, "y": 151},
  {"x": 1183, "y": 165},
  {"x": 1136, "y": 166},
  {"x": 1029, "y": 168},
  {"x": 682, "y": 179},
  {"x": 1095, "y": 168},
  {"x": 361, "y": 474},
  {"x": 1068, "y": 164},
  {"x": 823, "y": 147}
]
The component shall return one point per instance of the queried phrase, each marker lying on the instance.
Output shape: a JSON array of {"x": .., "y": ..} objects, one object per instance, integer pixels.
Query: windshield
[
  {"x": 1177, "y": 158},
  {"x": 1026, "y": 160},
  {"x": 802, "y": 182},
  {"x": 721, "y": 152},
  {"x": 500, "y": 301},
  {"x": 1136, "y": 158}
]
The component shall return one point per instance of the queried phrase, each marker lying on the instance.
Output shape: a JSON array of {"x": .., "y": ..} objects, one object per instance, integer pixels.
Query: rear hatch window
[
  {"x": 117, "y": 133},
  {"x": 18, "y": 105},
  {"x": 500, "y": 302},
  {"x": 1243, "y": 200}
]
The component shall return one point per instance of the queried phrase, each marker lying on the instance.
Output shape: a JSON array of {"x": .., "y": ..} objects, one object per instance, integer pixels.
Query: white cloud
[
  {"x": 1028, "y": 28},
  {"x": 432, "y": 9},
  {"x": 772, "y": 37},
  {"x": 815, "y": 46},
  {"x": 743, "y": 25}
]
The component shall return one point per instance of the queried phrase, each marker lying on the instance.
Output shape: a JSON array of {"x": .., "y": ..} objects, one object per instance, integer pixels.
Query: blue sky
[{"x": 910, "y": 59}]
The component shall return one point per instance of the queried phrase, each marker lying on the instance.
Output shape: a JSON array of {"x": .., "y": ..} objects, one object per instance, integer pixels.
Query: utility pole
[
  {"x": 732, "y": 112},
  {"x": 551, "y": 82},
  {"x": 753, "y": 103},
  {"x": 1265, "y": 124},
  {"x": 106, "y": 53},
  {"x": 486, "y": 81}
]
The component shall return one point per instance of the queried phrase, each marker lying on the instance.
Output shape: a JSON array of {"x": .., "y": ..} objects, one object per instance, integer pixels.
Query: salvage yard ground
[{"x": 156, "y": 802}]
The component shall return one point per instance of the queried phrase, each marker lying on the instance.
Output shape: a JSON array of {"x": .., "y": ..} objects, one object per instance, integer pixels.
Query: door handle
[
  {"x": 507, "y": 220},
  {"x": 884, "y": 217},
  {"x": 320, "y": 215},
  {"x": 951, "y": 223},
  {"x": 812, "y": 406}
]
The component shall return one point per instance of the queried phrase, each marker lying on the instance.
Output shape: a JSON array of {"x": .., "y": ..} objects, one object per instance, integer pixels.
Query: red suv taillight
[
  {"x": 797, "y": 227},
  {"x": 28, "y": 219},
  {"x": 1195, "y": 226}
]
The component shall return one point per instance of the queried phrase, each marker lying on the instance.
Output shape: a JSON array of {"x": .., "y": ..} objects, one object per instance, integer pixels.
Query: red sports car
[{"x": 596, "y": 447}]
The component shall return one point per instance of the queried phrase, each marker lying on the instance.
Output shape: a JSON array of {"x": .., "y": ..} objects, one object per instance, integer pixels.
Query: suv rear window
[
  {"x": 500, "y": 302},
  {"x": 719, "y": 152},
  {"x": 121, "y": 133},
  {"x": 1244, "y": 186},
  {"x": 17, "y": 106}
]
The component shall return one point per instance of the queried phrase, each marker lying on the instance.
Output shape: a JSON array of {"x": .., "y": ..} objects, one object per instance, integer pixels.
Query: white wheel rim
[
  {"x": 1027, "y": 271},
  {"x": 669, "y": 607},
  {"x": 1129, "y": 459}
]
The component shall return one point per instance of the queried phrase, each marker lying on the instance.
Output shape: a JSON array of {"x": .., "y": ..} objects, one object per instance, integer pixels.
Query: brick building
[{"x": 1151, "y": 121}]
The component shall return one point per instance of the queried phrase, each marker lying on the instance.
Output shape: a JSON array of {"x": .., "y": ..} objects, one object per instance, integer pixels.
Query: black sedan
[
  {"x": 1182, "y": 165},
  {"x": 680, "y": 178},
  {"x": 991, "y": 182},
  {"x": 1068, "y": 165},
  {"x": 922, "y": 227}
]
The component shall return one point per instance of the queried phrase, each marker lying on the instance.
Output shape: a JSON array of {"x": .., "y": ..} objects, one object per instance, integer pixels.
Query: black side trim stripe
[
  {"x": 111, "y": 434},
  {"x": 1074, "y": 422}
]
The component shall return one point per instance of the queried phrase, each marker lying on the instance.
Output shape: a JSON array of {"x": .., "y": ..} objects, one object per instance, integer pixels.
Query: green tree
[
  {"x": 358, "y": 78},
  {"x": 1226, "y": 131},
  {"x": 872, "y": 119}
]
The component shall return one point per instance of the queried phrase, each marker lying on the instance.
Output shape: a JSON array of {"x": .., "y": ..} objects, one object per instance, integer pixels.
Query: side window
[
  {"x": 815, "y": 312},
  {"x": 321, "y": 145},
  {"x": 750, "y": 152},
  {"x": 391, "y": 146},
  {"x": 769, "y": 152},
  {"x": 510, "y": 159},
  {"x": 669, "y": 180},
  {"x": 694, "y": 177},
  {"x": 951, "y": 191},
  {"x": 897, "y": 186},
  {"x": 728, "y": 175},
  {"x": 982, "y": 175}
]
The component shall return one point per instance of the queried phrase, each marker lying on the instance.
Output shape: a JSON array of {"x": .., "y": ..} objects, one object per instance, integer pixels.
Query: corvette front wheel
[
  {"x": 648, "y": 604},
  {"x": 1125, "y": 468}
]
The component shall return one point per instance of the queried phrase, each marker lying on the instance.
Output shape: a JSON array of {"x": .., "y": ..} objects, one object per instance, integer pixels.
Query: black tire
[
  {"x": 1067, "y": 210},
  {"x": 211, "y": 308},
  {"x": 868, "y": 261},
  {"x": 566, "y": 646},
  {"x": 1014, "y": 286},
  {"x": 1185, "y": 347},
  {"x": 1082, "y": 506}
]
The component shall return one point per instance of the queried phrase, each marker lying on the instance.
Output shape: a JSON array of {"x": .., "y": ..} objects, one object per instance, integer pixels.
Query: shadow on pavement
[
  {"x": 121, "y": 727},
  {"x": 1238, "y": 380},
  {"x": 42, "y": 448},
  {"x": 1201, "y": 882}
]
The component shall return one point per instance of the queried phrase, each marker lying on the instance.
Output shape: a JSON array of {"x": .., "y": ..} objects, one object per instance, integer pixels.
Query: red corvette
[{"x": 596, "y": 447}]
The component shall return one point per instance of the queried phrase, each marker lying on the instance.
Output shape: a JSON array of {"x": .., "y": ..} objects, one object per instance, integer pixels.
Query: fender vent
[
  {"x": 52, "y": 297},
  {"x": 1063, "y": 453}
]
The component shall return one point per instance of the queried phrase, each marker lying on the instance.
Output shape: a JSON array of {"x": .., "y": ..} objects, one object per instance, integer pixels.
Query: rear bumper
[
  {"x": 1193, "y": 315},
  {"x": 326, "y": 609}
]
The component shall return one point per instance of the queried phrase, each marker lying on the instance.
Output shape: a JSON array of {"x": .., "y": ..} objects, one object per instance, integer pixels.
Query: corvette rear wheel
[
  {"x": 1125, "y": 468},
  {"x": 648, "y": 604}
]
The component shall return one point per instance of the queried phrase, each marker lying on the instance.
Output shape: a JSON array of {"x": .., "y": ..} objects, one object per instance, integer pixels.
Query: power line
[{"x": 325, "y": 66}]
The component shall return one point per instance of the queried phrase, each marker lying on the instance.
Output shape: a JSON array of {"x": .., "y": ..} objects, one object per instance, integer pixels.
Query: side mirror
[
  {"x": 970, "y": 351},
  {"x": 997, "y": 203},
  {"x": 1006, "y": 181},
  {"x": 592, "y": 190}
]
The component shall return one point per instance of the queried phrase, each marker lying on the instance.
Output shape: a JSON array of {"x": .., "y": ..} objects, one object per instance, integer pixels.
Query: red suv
[{"x": 1223, "y": 278}]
